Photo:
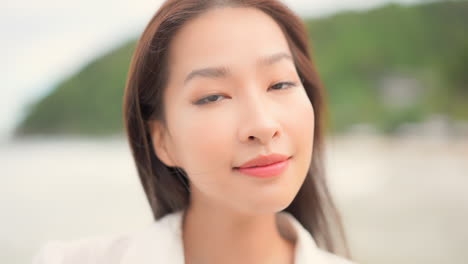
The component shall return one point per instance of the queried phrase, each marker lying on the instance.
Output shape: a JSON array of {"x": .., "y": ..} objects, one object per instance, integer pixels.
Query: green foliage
[
  {"x": 353, "y": 51},
  {"x": 90, "y": 102}
]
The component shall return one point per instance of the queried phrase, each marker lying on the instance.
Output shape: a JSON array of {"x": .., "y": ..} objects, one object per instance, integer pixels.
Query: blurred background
[{"x": 396, "y": 74}]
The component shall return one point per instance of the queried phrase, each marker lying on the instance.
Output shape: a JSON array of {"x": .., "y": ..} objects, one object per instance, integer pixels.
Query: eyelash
[{"x": 200, "y": 102}]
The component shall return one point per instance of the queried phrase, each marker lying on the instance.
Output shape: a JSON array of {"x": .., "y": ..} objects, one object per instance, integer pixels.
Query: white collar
[{"x": 162, "y": 242}]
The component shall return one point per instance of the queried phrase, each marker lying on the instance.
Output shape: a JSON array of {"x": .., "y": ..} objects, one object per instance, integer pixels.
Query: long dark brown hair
[{"x": 313, "y": 206}]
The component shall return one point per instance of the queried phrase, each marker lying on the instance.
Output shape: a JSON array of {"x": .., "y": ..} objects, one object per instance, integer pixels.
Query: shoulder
[
  {"x": 331, "y": 258},
  {"x": 155, "y": 242},
  {"x": 90, "y": 250}
]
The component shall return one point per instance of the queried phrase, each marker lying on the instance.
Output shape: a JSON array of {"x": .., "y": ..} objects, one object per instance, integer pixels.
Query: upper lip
[{"x": 263, "y": 160}]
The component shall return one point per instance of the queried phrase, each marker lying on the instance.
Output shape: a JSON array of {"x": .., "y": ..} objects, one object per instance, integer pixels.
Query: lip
[
  {"x": 263, "y": 160},
  {"x": 266, "y": 171}
]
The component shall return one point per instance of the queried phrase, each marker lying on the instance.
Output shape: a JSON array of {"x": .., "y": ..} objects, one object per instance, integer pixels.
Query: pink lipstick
[{"x": 265, "y": 171}]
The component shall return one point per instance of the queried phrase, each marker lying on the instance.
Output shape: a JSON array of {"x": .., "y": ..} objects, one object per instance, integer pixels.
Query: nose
[{"x": 258, "y": 123}]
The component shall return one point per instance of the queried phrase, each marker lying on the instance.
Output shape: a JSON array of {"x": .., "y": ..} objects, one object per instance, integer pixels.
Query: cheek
[
  {"x": 301, "y": 125},
  {"x": 205, "y": 142},
  {"x": 307, "y": 126}
]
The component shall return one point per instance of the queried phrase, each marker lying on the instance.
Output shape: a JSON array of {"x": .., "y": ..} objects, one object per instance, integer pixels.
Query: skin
[{"x": 232, "y": 217}]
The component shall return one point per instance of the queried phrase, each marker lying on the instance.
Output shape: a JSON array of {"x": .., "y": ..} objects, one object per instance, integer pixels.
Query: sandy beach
[{"x": 403, "y": 200}]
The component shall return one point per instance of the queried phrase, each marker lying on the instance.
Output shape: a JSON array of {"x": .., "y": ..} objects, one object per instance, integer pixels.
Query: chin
[{"x": 272, "y": 205}]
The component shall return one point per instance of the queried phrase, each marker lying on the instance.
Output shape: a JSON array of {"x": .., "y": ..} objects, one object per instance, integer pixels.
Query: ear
[{"x": 159, "y": 141}]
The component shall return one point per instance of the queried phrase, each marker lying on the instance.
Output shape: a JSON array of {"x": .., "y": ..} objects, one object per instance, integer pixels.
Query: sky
[{"x": 44, "y": 42}]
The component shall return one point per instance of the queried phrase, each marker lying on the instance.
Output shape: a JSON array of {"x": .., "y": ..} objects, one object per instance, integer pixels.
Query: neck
[{"x": 226, "y": 236}]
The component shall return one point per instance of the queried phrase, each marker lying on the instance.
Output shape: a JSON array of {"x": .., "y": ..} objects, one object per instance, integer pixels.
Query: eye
[
  {"x": 282, "y": 84},
  {"x": 208, "y": 99},
  {"x": 213, "y": 98}
]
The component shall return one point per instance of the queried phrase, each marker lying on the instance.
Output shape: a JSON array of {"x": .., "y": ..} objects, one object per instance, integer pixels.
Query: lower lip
[{"x": 265, "y": 171}]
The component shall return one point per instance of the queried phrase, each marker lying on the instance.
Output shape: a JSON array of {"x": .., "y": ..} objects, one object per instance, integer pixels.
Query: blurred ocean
[{"x": 403, "y": 200}]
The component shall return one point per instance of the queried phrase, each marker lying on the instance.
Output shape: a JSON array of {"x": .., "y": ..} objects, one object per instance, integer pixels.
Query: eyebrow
[{"x": 223, "y": 71}]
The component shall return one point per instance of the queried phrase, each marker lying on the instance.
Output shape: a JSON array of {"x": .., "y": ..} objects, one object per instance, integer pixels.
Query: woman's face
[{"x": 220, "y": 119}]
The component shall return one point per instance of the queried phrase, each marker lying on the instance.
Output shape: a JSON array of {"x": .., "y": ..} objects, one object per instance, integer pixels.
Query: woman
[{"x": 224, "y": 114}]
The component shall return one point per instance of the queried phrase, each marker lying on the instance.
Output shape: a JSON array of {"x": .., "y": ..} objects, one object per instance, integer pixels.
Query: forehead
[{"x": 232, "y": 36}]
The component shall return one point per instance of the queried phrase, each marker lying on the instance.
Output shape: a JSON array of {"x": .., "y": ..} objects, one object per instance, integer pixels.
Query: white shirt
[{"x": 161, "y": 242}]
